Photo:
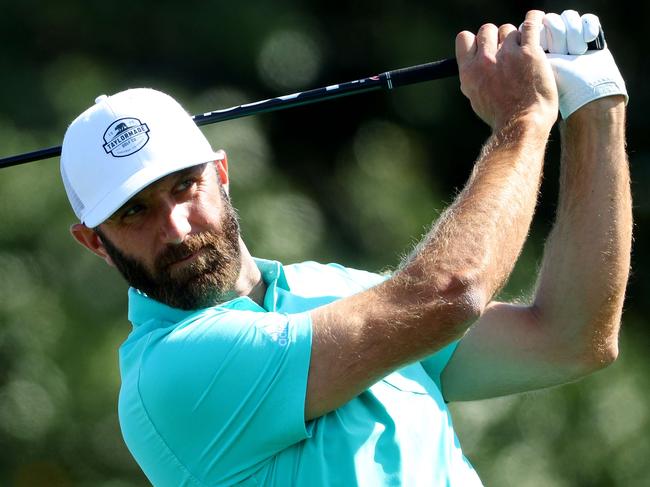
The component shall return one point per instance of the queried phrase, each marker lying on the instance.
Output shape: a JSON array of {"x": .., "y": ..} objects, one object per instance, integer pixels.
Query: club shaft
[{"x": 388, "y": 80}]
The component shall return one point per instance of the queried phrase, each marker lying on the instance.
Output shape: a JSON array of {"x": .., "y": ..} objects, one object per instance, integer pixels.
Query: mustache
[{"x": 173, "y": 253}]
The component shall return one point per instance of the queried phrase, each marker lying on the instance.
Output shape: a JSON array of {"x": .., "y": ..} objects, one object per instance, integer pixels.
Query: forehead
[{"x": 165, "y": 181}]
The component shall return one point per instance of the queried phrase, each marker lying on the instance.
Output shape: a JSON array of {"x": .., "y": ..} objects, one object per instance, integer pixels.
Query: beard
[{"x": 207, "y": 280}]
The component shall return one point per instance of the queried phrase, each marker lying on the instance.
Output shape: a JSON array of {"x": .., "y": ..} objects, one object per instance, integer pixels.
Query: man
[{"x": 243, "y": 371}]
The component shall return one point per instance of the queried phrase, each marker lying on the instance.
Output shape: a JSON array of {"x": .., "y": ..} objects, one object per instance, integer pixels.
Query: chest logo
[{"x": 125, "y": 136}]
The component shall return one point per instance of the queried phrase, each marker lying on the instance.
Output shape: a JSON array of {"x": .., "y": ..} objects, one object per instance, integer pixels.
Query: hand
[
  {"x": 506, "y": 75},
  {"x": 581, "y": 76}
]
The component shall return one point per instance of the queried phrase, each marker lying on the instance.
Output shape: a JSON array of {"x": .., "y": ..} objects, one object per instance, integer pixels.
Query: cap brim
[{"x": 129, "y": 188}]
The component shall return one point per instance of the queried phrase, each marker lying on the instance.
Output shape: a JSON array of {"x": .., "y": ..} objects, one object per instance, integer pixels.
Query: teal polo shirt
[{"x": 217, "y": 396}]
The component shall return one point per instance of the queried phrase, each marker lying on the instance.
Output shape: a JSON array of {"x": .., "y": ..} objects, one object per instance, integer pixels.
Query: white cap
[{"x": 121, "y": 145}]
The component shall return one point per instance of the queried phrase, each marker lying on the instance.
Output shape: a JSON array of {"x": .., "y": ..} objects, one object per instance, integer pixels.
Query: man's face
[{"x": 178, "y": 240}]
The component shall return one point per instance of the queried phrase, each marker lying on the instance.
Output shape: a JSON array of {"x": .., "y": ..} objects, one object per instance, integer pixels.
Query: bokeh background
[{"x": 356, "y": 181}]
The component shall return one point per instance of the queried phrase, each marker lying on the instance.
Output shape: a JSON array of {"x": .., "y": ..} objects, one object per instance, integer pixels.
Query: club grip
[
  {"x": 444, "y": 68},
  {"x": 598, "y": 44}
]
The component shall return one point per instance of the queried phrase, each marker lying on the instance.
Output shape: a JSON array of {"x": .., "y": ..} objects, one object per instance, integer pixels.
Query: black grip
[
  {"x": 598, "y": 44},
  {"x": 422, "y": 72}
]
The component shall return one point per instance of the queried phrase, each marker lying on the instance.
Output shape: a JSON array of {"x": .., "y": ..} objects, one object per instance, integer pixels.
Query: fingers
[
  {"x": 487, "y": 39},
  {"x": 590, "y": 27},
  {"x": 574, "y": 39},
  {"x": 485, "y": 42},
  {"x": 569, "y": 33},
  {"x": 465, "y": 46},
  {"x": 530, "y": 29},
  {"x": 555, "y": 33},
  {"x": 505, "y": 30}
]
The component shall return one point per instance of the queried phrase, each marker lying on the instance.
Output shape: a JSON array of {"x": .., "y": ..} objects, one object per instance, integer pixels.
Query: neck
[{"x": 250, "y": 282}]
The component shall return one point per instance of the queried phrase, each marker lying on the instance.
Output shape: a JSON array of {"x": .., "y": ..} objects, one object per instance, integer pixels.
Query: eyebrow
[{"x": 138, "y": 197}]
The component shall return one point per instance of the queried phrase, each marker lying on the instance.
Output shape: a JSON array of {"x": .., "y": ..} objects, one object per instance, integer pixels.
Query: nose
[{"x": 175, "y": 225}]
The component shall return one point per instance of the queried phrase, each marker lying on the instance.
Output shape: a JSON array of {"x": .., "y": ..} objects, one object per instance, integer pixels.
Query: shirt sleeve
[
  {"x": 226, "y": 391},
  {"x": 434, "y": 364},
  {"x": 362, "y": 279}
]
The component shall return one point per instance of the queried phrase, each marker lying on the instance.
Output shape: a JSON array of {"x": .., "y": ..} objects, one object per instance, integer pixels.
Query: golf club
[{"x": 390, "y": 79}]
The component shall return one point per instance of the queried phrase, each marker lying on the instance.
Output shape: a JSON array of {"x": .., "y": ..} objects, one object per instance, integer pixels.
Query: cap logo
[{"x": 125, "y": 137}]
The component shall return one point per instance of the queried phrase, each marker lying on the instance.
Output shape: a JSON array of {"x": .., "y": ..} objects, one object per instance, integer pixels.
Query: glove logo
[{"x": 125, "y": 136}]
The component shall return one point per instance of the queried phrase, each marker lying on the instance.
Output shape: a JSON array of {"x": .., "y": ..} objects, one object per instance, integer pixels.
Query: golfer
[{"x": 242, "y": 371}]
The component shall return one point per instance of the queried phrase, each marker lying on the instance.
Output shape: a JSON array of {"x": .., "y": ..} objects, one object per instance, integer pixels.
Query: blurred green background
[{"x": 355, "y": 181}]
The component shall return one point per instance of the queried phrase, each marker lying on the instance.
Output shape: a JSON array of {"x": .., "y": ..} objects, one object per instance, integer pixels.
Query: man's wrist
[
  {"x": 531, "y": 126},
  {"x": 609, "y": 109}
]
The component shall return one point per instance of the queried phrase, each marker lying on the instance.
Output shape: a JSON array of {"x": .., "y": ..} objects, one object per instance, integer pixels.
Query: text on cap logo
[{"x": 125, "y": 137}]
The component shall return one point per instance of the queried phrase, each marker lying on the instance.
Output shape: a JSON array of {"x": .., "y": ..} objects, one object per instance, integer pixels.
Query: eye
[
  {"x": 132, "y": 210},
  {"x": 184, "y": 185}
]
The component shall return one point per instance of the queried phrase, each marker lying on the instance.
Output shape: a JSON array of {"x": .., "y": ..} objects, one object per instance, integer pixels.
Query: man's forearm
[
  {"x": 476, "y": 241},
  {"x": 586, "y": 261}
]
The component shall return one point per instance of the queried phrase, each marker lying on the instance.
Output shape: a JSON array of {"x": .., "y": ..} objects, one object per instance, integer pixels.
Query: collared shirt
[{"x": 217, "y": 396}]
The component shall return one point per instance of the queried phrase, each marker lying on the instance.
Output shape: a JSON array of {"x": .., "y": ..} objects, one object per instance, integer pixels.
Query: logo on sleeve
[
  {"x": 125, "y": 137},
  {"x": 277, "y": 331}
]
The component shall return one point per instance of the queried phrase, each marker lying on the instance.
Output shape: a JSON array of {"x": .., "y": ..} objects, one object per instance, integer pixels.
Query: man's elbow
[
  {"x": 471, "y": 304},
  {"x": 465, "y": 302},
  {"x": 601, "y": 349},
  {"x": 450, "y": 300},
  {"x": 602, "y": 355}
]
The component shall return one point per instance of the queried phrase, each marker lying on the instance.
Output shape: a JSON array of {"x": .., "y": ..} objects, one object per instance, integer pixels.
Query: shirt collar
[
  {"x": 275, "y": 279},
  {"x": 143, "y": 308}
]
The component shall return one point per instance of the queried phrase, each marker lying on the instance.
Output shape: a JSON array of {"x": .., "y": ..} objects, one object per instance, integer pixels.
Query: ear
[
  {"x": 222, "y": 169},
  {"x": 91, "y": 240}
]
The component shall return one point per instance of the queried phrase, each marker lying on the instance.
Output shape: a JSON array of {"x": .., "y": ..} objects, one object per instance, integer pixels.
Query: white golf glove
[{"x": 581, "y": 76}]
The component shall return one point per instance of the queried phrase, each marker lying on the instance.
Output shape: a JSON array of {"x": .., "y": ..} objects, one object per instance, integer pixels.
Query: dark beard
[{"x": 206, "y": 281}]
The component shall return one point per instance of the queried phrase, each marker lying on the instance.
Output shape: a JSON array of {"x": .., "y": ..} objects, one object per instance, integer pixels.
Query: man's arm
[
  {"x": 571, "y": 326},
  {"x": 471, "y": 250}
]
